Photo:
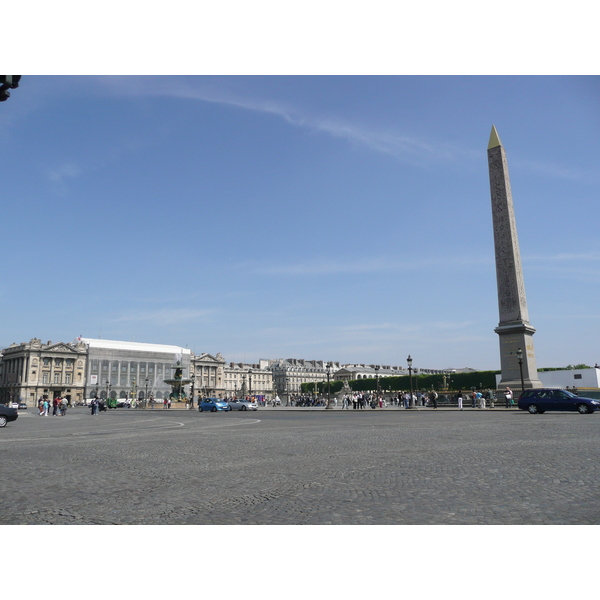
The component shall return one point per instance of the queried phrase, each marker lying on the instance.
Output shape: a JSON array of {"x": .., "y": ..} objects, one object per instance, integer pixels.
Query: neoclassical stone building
[
  {"x": 34, "y": 370},
  {"x": 291, "y": 373},
  {"x": 358, "y": 371},
  {"x": 243, "y": 380},
  {"x": 208, "y": 373}
]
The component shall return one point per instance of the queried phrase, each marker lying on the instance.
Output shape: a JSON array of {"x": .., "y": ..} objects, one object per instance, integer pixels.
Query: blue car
[
  {"x": 540, "y": 400},
  {"x": 213, "y": 405}
]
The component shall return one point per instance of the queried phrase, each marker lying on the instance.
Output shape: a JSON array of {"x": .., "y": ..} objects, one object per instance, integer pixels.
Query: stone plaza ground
[{"x": 290, "y": 466}]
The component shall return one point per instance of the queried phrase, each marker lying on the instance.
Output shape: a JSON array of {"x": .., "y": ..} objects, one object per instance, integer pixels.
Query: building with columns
[
  {"x": 34, "y": 370},
  {"x": 208, "y": 373},
  {"x": 122, "y": 370}
]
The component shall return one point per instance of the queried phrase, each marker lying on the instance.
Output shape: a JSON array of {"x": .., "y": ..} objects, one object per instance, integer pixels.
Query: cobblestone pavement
[{"x": 289, "y": 466}]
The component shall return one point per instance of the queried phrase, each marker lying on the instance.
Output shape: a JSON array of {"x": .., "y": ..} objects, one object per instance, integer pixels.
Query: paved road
[{"x": 301, "y": 467}]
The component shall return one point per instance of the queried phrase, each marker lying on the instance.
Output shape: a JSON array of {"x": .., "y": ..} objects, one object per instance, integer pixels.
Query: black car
[
  {"x": 543, "y": 399},
  {"x": 7, "y": 414}
]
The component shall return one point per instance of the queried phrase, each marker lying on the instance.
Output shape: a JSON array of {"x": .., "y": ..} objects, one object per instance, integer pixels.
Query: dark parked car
[
  {"x": 543, "y": 399},
  {"x": 7, "y": 414}
]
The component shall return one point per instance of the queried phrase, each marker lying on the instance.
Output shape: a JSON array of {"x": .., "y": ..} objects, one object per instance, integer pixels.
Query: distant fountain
[{"x": 177, "y": 384}]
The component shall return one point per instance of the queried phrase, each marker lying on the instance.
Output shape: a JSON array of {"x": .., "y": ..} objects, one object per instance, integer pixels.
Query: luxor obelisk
[{"x": 514, "y": 329}]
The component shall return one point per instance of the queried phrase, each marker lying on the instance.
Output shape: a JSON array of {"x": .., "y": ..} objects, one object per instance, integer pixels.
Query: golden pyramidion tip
[{"x": 494, "y": 139}]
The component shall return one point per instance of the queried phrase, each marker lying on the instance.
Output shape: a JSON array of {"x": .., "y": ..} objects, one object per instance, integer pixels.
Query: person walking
[
  {"x": 433, "y": 397},
  {"x": 508, "y": 397},
  {"x": 480, "y": 400},
  {"x": 63, "y": 407},
  {"x": 459, "y": 398},
  {"x": 491, "y": 397}
]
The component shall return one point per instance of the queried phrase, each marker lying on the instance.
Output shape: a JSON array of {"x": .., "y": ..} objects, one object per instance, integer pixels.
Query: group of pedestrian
[
  {"x": 361, "y": 401},
  {"x": 97, "y": 405},
  {"x": 479, "y": 399},
  {"x": 59, "y": 406},
  {"x": 307, "y": 400}
]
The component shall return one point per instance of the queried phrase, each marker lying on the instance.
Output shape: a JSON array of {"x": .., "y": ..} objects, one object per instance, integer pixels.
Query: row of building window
[
  {"x": 57, "y": 361},
  {"x": 125, "y": 366},
  {"x": 57, "y": 378}
]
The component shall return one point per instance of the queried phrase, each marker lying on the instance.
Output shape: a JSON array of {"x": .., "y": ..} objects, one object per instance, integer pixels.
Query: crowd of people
[
  {"x": 481, "y": 399},
  {"x": 356, "y": 401},
  {"x": 59, "y": 406},
  {"x": 307, "y": 400}
]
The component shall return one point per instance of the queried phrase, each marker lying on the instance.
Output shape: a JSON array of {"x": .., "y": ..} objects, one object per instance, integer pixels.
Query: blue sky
[{"x": 326, "y": 217}]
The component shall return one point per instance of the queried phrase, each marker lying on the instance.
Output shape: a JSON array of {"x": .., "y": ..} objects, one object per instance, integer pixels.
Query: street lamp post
[
  {"x": 377, "y": 380},
  {"x": 520, "y": 359},
  {"x": 146, "y": 394},
  {"x": 193, "y": 378},
  {"x": 412, "y": 400},
  {"x": 250, "y": 383},
  {"x": 328, "y": 386}
]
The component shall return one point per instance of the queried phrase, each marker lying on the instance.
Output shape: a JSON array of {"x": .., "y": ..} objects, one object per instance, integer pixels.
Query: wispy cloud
[
  {"x": 165, "y": 316},
  {"x": 67, "y": 170},
  {"x": 565, "y": 257},
  {"x": 358, "y": 330},
  {"x": 370, "y": 265},
  {"x": 570, "y": 316},
  {"x": 582, "y": 267},
  {"x": 411, "y": 149},
  {"x": 403, "y": 147},
  {"x": 554, "y": 170}
]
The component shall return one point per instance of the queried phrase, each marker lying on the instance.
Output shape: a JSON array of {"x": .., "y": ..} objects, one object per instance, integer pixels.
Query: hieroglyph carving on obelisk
[{"x": 513, "y": 328}]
